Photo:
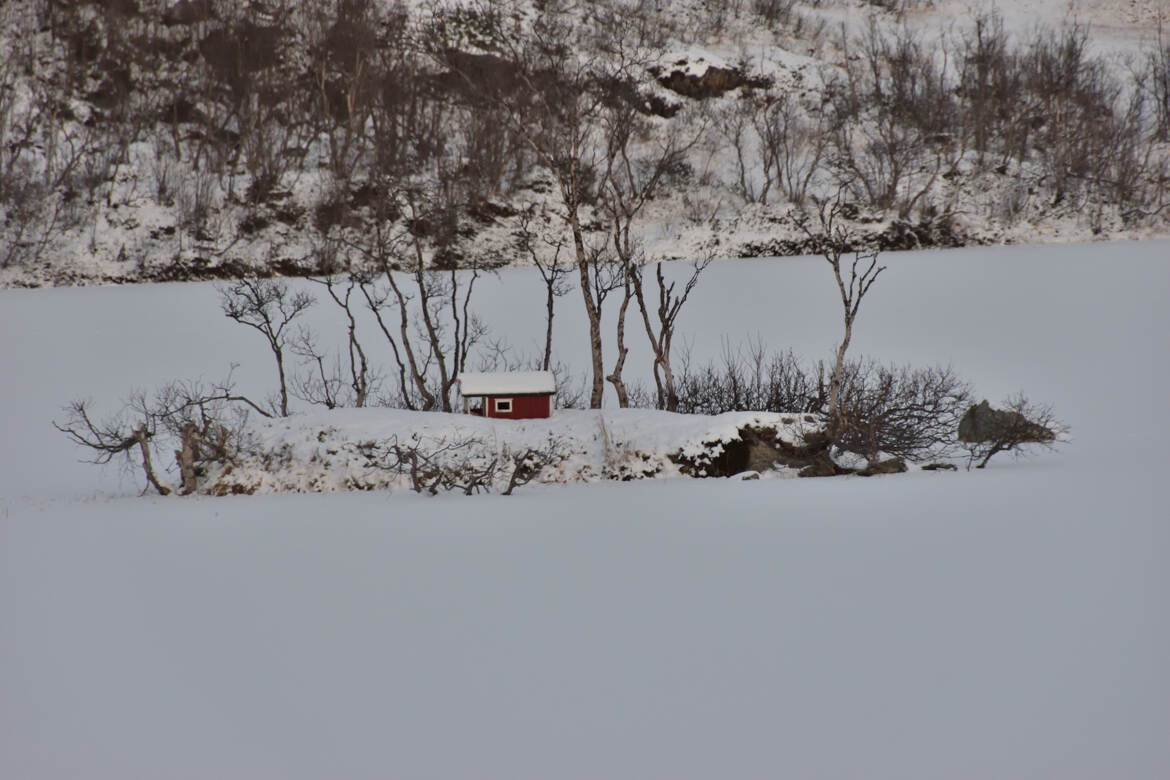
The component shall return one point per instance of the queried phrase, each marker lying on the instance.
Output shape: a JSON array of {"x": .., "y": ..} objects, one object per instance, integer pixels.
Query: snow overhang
[{"x": 506, "y": 383}]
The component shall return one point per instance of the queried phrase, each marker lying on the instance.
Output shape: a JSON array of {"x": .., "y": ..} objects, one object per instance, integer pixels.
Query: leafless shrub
[
  {"x": 774, "y": 12},
  {"x": 734, "y": 124},
  {"x": 163, "y": 172},
  {"x": 903, "y": 411},
  {"x": 466, "y": 464},
  {"x": 572, "y": 392},
  {"x": 908, "y": 412},
  {"x": 793, "y": 145},
  {"x": 776, "y": 145},
  {"x": 1073, "y": 103},
  {"x": 891, "y": 113},
  {"x": 343, "y": 50},
  {"x": 29, "y": 221},
  {"x": 990, "y": 88},
  {"x": 528, "y": 464},
  {"x": 318, "y": 383},
  {"x": 1156, "y": 81},
  {"x": 749, "y": 378},
  {"x": 442, "y": 464},
  {"x": 196, "y": 203}
]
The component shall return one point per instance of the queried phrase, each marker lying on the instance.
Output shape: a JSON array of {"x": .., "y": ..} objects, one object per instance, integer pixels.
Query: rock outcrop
[{"x": 982, "y": 423}]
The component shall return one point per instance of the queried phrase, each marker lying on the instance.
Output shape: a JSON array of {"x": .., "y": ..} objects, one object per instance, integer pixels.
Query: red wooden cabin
[{"x": 508, "y": 395}]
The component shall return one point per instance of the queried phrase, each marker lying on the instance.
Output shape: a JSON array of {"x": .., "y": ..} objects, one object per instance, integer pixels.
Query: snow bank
[{"x": 353, "y": 449}]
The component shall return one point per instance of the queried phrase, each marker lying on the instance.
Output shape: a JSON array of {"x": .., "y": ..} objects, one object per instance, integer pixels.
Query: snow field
[{"x": 1010, "y": 623}]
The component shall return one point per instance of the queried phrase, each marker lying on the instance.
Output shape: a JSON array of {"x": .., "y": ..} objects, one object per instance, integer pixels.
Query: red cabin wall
[{"x": 524, "y": 407}]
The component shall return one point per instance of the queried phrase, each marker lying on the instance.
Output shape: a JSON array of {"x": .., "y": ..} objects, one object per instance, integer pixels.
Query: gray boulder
[{"x": 981, "y": 423}]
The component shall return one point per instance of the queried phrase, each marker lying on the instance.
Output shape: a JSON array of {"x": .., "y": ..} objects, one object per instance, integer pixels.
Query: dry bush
[
  {"x": 897, "y": 410},
  {"x": 750, "y": 379},
  {"x": 774, "y": 12},
  {"x": 907, "y": 412},
  {"x": 466, "y": 464},
  {"x": 1156, "y": 80},
  {"x": 892, "y": 113}
]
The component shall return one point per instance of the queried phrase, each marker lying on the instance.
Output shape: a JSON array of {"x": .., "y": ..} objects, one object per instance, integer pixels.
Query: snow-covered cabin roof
[{"x": 472, "y": 383}]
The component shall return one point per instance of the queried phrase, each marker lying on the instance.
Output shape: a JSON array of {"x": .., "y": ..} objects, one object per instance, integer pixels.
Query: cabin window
[{"x": 503, "y": 404}]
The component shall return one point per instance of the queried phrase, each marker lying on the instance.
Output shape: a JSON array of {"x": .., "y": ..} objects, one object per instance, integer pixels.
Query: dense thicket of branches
[
  {"x": 903, "y": 411},
  {"x": 219, "y": 108}
]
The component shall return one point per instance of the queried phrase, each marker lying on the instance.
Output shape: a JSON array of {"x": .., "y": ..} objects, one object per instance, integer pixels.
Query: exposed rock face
[
  {"x": 891, "y": 466},
  {"x": 187, "y": 12},
  {"x": 714, "y": 82},
  {"x": 823, "y": 466},
  {"x": 759, "y": 449},
  {"x": 981, "y": 423}
]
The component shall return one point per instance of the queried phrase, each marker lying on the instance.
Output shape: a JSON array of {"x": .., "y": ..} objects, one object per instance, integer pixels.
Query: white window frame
[{"x": 502, "y": 405}]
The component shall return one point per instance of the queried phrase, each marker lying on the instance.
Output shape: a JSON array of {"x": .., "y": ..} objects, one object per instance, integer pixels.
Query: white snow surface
[
  {"x": 1007, "y": 623},
  {"x": 505, "y": 382},
  {"x": 348, "y": 449}
]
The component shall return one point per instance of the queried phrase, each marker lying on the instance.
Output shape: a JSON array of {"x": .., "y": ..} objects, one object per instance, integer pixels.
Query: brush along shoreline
[{"x": 389, "y": 449}]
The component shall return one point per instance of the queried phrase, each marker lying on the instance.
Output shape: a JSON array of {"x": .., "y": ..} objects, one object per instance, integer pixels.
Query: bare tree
[
  {"x": 555, "y": 87},
  {"x": 552, "y": 272},
  {"x": 361, "y": 380},
  {"x": 268, "y": 306},
  {"x": 635, "y": 169},
  {"x": 831, "y": 239},
  {"x": 435, "y": 329},
  {"x": 205, "y": 422},
  {"x": 660, "y": 329},
  {"x": 114, "y": 436}
]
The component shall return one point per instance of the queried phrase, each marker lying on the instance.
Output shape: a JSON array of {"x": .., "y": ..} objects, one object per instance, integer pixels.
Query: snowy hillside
[
  {"x": 159, "y": 141},
  {"x": 1009, "y": 623}
]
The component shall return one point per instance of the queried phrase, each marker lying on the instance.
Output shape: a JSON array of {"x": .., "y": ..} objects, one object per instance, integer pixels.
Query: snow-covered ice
[{"x": 1010, "y": 623}]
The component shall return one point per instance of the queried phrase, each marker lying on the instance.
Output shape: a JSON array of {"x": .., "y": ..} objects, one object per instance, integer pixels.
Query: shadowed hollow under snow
[{"x": 1009, "y": 623}]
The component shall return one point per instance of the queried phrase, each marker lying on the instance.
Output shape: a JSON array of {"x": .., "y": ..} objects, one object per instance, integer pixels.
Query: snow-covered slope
[{"x": 131, "y": 201}]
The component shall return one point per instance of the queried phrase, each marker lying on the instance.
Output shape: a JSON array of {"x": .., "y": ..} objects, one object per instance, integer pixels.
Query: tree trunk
[
  {"x": 616, "y": 377},
  {"x": 548, "y": 331},
  {"x": 185, "y": 458},
  {"x": 839, "y": 370},
  {"x": 592, "y": 311},
  {"x": 283, "y": 384},
  {"x": 147, "y": 466}
]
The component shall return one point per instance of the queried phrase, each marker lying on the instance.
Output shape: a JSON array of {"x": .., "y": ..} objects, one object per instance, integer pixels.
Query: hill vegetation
[{"x": 151, "y": 140}]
